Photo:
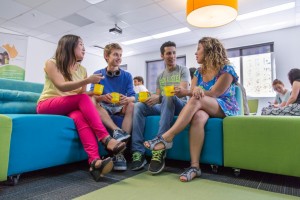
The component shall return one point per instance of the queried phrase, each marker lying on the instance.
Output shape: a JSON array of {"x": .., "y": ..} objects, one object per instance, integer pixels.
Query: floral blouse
[{"x": 227, "y": 100}]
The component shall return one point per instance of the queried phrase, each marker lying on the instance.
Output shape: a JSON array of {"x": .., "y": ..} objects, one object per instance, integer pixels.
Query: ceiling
[{"x": 50, "y": 19}]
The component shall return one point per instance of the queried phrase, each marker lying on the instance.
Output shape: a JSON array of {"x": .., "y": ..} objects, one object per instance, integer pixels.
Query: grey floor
[{"x": 73, "y": 180}]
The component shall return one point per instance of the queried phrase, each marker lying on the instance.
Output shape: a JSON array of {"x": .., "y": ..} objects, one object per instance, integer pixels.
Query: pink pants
[{"x": 84, "y": 113}]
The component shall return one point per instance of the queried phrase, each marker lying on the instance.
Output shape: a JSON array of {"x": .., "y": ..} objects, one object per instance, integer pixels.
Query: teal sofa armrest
[
  {"x": 17, "y": 107},
  {"x": 9, "y": 84},
  {"x": 239, "y": 99},
  {"x": 16, "y": 95}
]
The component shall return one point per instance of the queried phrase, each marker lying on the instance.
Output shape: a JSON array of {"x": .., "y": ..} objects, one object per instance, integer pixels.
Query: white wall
[
  {"x": 286, "y": 48},
  {"x": 286, "y": 45},
  {"x": 39, "y": 51}
]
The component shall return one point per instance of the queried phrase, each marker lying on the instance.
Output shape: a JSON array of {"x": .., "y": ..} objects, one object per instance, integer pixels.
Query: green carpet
[{"x": 167, "y": 186}]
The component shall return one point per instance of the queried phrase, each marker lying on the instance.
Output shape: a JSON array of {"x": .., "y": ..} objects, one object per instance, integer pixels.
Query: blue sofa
[
  {"x": 30, "y": 142},
  {"x": 212, "y": 151}
]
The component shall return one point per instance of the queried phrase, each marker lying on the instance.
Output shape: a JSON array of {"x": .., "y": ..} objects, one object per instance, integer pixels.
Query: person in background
[
  {"x": 245, "y": 100},
  {"x": 212, "y": 95},
  {"x": 138, "y": 82},
  {"x": 282, "y": 94},
  {"x": 2, "y": 61},
  {"x": 160, "y": 104},
  {"x": 192, "y": 72},
  {"x": 6, "y": 58},
  {"x": 292, "y": 106},
  {"x": 64, "y": 94},
  {"x": 120, "y": 81}
]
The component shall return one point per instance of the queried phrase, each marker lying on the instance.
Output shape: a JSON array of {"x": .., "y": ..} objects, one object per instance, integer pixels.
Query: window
[
  {"x": 255, "y": 67},
  {"x": 155, "y": 67}
]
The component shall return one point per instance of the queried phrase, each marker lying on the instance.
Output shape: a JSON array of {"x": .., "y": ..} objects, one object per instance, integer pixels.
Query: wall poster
[{"x": 13, "y": 50}]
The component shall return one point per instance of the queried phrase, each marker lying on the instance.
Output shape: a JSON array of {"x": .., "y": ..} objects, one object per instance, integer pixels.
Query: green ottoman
[{"x": 263, "y": 143}]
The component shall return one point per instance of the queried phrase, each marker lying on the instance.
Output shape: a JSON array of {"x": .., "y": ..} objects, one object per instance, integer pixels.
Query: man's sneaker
[
  {"x": 138, "y": 161},
  {"x": 120, "y": 135},
  {"x": 157, "y": 163},
  {"x": 120, "y": 163}
]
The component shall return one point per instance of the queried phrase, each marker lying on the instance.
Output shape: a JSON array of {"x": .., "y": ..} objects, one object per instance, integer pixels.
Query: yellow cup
[
  {"x": 143, "y": 96},
  {"x": 115, "y": 97},
  {"x": 169, "y": 90},
  {"x": 98, "y": 89}
]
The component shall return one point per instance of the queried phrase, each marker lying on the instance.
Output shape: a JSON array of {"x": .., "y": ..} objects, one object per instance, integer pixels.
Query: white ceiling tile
[
  {"x": 33, "y": 32},
  {"x": 180, "y": 16},
  {"x": 3, "y": 30},
  {"x": 143, "y": 14},
  {"x": 246, "y": 6},
  {"x": 52, "y": 39},
  {"x": 268, "y": 20},
  {"x": 56, "y": 27},
  {"x": 173, "y": 6},
  {"x": 6, "y": 11},
  {"x": 33, "y": 19},
  {"x": 15, "y": 27},
  {"x": 59, "y": 8},
  {"x": 31, "y": 3},
  {"x": 156, "y": 24},
  {"x": 165, "y": 29},
  {"x": 95, "y": 14},
  {"x": 117, "y": 7},
  {"x": 2, "y": 20}
]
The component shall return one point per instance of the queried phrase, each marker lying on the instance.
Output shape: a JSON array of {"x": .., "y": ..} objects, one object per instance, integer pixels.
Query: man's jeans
[{"x": 169, "y": 107}]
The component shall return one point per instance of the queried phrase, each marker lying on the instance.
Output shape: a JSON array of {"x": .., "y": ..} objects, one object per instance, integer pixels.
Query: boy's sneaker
[
  {"x": 157, "y": 163},
  {"x": 120, "y": 135},
  {"x": 138, "y": 161},
  {"x": 120, "y": 163}
]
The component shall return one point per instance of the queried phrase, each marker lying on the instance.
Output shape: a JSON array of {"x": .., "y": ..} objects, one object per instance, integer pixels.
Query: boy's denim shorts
[{"x": 112, "y": 109}]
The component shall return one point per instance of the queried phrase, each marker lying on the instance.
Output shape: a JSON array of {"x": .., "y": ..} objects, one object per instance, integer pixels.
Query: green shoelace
[
  {"x": 156, "y": 155},
  {"x": 136, "y": 156}
]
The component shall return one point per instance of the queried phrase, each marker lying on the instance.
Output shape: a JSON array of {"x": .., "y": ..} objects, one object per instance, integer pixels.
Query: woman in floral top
[{"x": 212, "y": 95}]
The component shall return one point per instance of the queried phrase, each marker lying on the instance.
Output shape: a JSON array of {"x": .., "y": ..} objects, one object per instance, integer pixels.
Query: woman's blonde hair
[{"x": 215, "y": 56}]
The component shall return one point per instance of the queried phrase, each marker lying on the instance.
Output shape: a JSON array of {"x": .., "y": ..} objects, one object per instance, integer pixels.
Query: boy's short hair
[
  {"x": 277, "y": 81},
  {"x": 139, "y": 79},
  {"x": 166, "y": 44},
  {"x": 109, "y": 47}
]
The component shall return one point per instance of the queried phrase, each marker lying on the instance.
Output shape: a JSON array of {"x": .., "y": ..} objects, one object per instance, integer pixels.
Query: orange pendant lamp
[{"x": 211, "y": 13}]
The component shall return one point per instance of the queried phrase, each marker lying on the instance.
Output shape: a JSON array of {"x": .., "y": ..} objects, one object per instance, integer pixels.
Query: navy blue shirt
[{"x": 122, "y": 84}]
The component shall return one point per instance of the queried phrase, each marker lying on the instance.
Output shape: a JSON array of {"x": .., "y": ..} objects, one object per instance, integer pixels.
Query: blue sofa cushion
[
  {"x": 17, "y": 107},
  {"x": 15, "y": 95}
]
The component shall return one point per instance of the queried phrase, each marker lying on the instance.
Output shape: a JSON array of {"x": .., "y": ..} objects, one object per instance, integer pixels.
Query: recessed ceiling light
[
  {"x": 170, "y": 33},
  {"x": 137, "y": 40},
  {"x": 156, "y": 36},
  {"x": 266, "y": 11},
  {"x": 94, "y": 1}
]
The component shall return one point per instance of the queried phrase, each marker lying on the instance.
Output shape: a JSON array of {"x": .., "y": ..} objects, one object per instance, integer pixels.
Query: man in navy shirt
[{"x": 119, "y": 81}]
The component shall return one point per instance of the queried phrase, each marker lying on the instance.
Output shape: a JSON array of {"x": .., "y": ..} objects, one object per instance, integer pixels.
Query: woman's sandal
[
  {"x": 188, "y": 174},
  {"x": 105, "y": 167},
  {"x": 157, "y": 140},
  {"x": 118, "y": 148}
]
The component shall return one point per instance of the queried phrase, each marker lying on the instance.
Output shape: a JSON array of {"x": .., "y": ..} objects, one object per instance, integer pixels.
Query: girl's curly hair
[{"x": 215, "y": 56}]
